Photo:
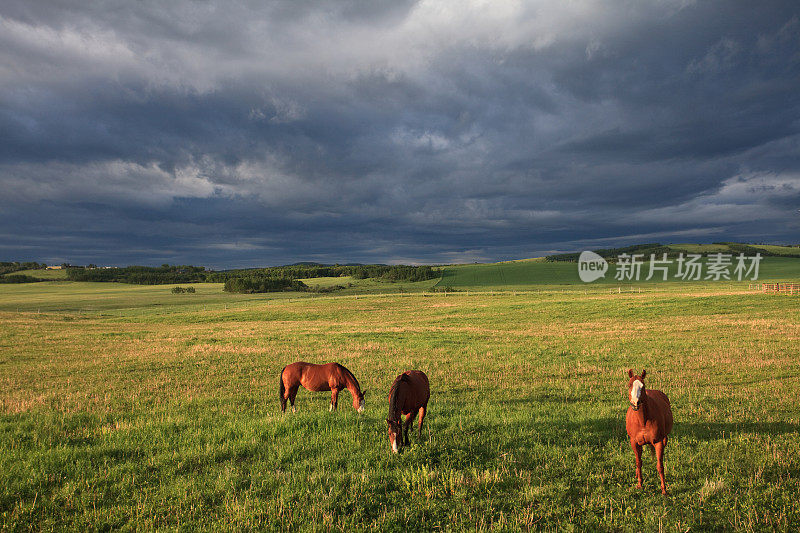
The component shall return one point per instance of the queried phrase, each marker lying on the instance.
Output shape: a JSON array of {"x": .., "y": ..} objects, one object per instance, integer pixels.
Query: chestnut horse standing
[
  {"x": 648, "y": 421},
  {"x": 332, "y": 376},
  {"x": 408, "y": 395}
]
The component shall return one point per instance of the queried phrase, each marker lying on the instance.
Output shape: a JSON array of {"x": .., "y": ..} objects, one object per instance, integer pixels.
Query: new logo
[{"x": 591, "y": 266}]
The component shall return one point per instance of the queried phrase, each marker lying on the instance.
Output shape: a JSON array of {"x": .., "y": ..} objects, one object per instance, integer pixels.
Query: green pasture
[
  {"x": 351, "y": 285},
  {"x": 128, "y": 407},
  {"x": 725, "y": 248},
  {"x": 44, "y": 274},
  {"x": 118, "y": 297},
  {"x": 124, "y": 298},
  {"x": 780, "y": 250},
  {"x": 327, "y": 282}
]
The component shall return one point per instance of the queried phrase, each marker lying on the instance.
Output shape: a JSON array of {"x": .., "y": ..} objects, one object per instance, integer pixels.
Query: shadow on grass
[
  {"x": 719, "y": 430},
  {"x": 569, "y": 419},
  {"x": 602, "y": 430}
]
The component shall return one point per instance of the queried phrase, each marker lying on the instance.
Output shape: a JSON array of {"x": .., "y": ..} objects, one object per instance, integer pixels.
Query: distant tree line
[
  {"x": 18, "y": 278},
  {"x": 750, "y": 250},
  {"x": 16, "y": 266},
  {"x": 141, "y": 275},
  {"x": 243, "y": 280},
  {"x": 395, "y": 272},
  {"x": 612, "y": 253},
  {"x": 263, "y": 284},
  {"x": 386, "y": 272}
]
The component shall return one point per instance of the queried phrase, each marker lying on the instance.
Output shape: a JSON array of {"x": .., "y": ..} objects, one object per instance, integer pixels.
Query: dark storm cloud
[{"x": 243, "y": 134}]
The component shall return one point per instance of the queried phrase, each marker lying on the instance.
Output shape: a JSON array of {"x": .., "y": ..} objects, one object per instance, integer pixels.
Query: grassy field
[
  {"x": 724, "y": 248},
  {"x": 368, "y": 285},
  {"x": 533, "y": 272},
  {"x": 44, "y": 274},
  {"x": 781, "y": 250},
  {"x": 130, "y": 407}
]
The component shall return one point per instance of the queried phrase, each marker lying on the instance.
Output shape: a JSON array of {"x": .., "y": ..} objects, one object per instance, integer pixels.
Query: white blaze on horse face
[
  {"x": 393, "y": 438},
  {"x": 636, "y": 392}
]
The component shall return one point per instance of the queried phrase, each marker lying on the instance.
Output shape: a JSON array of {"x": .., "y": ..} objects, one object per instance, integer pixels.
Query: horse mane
[
  {"x": 393, "y": 393},
  {"x": 346, "y": 371}
]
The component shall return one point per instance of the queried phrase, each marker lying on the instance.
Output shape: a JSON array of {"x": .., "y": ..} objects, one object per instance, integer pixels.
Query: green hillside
[
  {"x": 735, "y": 248},
  {"x": 673, "y": 250},
  {"x": 523, "y": 274},
  {"x": 779, "y": 250},
  {"x": 44, "y": 274}
]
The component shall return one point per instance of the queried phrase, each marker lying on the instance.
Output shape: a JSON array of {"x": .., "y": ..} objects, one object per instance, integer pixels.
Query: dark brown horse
[
  {"x": 648, "y": 421},
  {"x": 408, "y": 395},
  {"x": 332, "y": 376}
]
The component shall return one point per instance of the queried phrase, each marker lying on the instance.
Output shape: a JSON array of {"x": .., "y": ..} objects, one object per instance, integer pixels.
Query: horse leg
[
  {"x": 292, "y": 395},
  {"x": 637, "y": 452},
  {"x": 283, "y": 396},
  {"x": 334, "y": 400},
  {"x": 660, "y": 464},
  {"x": 422, "y": 411},
  {"x": 409, "y": 421}
]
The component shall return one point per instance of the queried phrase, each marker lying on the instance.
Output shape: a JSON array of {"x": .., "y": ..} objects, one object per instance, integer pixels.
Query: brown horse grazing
[
  {"x": 332, "y": 376},
  {"x": 648, "y": 421},
  {"x": 408, "y": 395}
]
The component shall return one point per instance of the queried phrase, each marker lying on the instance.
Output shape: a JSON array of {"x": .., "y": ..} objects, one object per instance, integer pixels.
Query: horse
[
  {"x": 408, "y": 395},
  {"x": 332, "y": 376},
  {"x": 648, "y": 421}
]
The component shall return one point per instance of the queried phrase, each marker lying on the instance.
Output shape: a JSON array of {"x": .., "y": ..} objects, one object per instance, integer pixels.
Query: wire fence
[{"x": 789, "y": 288}]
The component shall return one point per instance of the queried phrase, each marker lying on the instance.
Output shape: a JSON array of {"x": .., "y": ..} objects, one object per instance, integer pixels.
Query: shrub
[{"x": 181, "y": 290}]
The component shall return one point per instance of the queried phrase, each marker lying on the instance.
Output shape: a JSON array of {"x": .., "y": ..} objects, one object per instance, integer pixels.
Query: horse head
[
  {"x": 358, "y": 401},
  {"x": 636, "y": 395},
  {"x": 395, "y": 434}
]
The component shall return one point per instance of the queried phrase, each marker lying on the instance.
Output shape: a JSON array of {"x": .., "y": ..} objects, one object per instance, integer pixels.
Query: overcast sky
[{"x": 232, "y": 134}]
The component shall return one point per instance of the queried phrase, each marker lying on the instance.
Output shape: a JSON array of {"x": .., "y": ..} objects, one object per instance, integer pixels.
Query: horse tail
[{"x": 282, "y": 390}]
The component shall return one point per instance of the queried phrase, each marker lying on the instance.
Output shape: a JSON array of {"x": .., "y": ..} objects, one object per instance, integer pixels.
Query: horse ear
[
  {"x": 630, "y": 372},
  {"x": 644, "y": 373}
]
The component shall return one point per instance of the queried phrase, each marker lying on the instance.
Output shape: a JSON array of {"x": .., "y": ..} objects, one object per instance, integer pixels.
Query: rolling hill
[{"x": 777, "y": 266}]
